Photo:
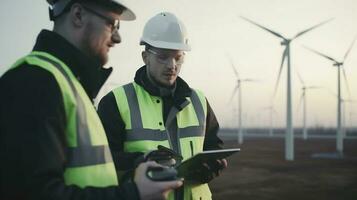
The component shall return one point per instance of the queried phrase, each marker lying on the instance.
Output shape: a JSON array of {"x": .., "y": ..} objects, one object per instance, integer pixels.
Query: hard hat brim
[
  {"x": 128, "y": 14},
  {"x": 166, "y": 45}
]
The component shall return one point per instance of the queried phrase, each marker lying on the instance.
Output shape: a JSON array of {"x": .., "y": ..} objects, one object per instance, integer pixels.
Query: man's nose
[
  {"x": 116, "y": 37},
  {"x": 171, "y": 63}
]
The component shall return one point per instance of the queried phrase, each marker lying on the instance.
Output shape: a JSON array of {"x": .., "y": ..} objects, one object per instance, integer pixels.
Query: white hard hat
[
  {"x": 58, "y": 6},
  {"x": 165, "y": 31}
]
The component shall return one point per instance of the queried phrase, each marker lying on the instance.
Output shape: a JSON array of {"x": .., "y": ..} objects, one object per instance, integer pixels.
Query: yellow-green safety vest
[
  {"x": 142, "y": 114},
  {"x": 89, "y": 161}
]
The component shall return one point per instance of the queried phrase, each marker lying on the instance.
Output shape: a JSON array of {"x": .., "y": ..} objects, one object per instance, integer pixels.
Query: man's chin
[
  {"x": 103, "y": 60},
  {"x": 168, "y": 84}
]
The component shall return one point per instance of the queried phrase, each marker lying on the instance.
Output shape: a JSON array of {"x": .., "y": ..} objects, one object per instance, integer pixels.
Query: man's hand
[
  {"x": 150, "y": 190},
  {"x": 222, "y": 165},
  {"x": 208, "y": 171}
]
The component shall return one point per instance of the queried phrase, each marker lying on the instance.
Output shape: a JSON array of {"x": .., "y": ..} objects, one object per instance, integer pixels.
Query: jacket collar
[
  {"x": 87, "y": 71},
  {"x": 178, "y": 93}
]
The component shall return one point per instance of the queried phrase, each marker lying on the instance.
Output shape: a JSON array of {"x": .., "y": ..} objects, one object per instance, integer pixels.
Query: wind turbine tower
[
  {"x": 304, "y": 102},
  {"x": 339, "y": 65},
  {"x": 289, "y": 136},
  {"x": 238, "y": 88}
]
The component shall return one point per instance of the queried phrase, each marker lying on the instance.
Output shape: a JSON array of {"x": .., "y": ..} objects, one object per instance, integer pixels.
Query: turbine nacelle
[
  {"x": 285, "y": 42},
  {"x": 338, "y": 64}
]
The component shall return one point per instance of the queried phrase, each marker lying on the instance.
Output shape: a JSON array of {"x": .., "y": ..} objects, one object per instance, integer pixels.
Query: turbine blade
[
  {"x": 331, "y": 92},
  {"x": 309, "y": 29},
  {"x": 314, "y": 87},
  {"x": 318, "y": 53},
  {"x": 301, "y": 81},
  {"x": 233, "y": 67},
  {"x": 348, "y": 51},
  {"x": 280, "y": 69},
  {"x": 270, "y": 31},
  {"x": 249, "y": 80},
  {"x": 347, "y": 85},
  {"x": 300, "y": 100},
  {"x": 233, "y": 93}
]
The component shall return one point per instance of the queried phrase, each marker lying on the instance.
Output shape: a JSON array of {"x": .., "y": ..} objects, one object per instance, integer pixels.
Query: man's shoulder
[
  {"x": 121, "y": 88},
  {"x": 27, "y": 73},
  {"x": 33, "y": 86},
  {"x": 27, "y": 78}
]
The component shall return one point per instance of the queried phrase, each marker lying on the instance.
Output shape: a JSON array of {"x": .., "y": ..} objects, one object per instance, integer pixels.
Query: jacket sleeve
[
  {"x": 115, "y": 129},
  {"x": 33, "y": 144},
  {"x": 212, "y": 141}
]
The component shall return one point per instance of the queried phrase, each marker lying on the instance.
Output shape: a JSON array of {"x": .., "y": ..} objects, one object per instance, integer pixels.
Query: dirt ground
[{"x": 260, "y": 172}]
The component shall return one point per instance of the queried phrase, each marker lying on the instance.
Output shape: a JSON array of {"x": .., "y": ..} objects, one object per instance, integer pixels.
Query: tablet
[{"x": 190, "y": 164}]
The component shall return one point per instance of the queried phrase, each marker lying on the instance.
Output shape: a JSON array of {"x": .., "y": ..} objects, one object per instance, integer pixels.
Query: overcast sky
[{"x": 215, "y": 31}]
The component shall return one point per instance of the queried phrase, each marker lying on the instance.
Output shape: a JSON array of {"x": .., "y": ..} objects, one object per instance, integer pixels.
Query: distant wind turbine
[
  {"x": 289, "y": 136},
  {"x": 272, "y": 111},
  {"x": 339, "y": 65},
  {"x": 238, "y": 88},
  {"x": 304, "y": 102}
]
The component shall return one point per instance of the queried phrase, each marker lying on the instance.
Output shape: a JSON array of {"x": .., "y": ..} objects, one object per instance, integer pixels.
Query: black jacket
[
  {"x": 32, "y": 127},
  {"x": 115, "y": 127}
]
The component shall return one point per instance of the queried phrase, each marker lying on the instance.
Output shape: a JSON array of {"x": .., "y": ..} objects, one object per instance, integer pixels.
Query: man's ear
[
  {"x": 145, "y": 57},
  {"x": 77, "y": 15}
]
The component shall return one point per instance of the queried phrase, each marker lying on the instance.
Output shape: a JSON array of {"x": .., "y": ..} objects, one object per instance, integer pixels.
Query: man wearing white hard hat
[
  {"x": 159, "y": 108},
  {"x": 53, "y": 144}
]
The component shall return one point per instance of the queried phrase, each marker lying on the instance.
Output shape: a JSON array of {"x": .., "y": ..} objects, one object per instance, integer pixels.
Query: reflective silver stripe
[
  {"x": 135, "y": 115},
  {"x": 171, "y": 116},
  {"x": 146, "y": 134},
  {"x": 171, "y": 129},
  {"x": 84, "y": 154},
  {"x": 88, "y": 155},
  {"x": 157, "y": 135},
  {"x": 191, "y": 131},
  {"x": 198, "y": 108}
]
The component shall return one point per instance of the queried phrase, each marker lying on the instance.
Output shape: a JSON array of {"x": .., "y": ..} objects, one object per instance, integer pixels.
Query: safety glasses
[
  {"x": 114, "y": 23},
  {"x": 166, "y": 58}
]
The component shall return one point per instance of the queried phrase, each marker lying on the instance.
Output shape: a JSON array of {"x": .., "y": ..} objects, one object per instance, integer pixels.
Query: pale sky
[{"x": 215, "y": 29}]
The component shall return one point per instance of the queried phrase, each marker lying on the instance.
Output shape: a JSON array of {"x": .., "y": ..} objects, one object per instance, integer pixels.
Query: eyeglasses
[
  {"x": 165, "y": 58},
  {"x": 114, "y": 23}
]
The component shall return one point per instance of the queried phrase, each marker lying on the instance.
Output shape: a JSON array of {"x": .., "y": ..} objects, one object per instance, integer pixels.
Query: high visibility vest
[
  {"x": 142, "y": 114},
  {"x": 89, "y": 161}
]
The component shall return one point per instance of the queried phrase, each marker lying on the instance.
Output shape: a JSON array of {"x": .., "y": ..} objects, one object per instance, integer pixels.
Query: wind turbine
[
  {"x": 289, "y": 136},
  {"x": 272, "y": 111},
  {"x": 238, "y": 88},
  {"x": 303, "y": 100},
  {"x": 339, "y": 65}
]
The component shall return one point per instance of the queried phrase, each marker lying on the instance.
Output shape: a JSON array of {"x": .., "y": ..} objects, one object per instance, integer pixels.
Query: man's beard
[{"x": 94, "y": 55}]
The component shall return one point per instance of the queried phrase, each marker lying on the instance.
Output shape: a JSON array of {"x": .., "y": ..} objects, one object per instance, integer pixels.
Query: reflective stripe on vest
[
  {"x": 142, "y": 114},
  {"x": 89, "y": 161}
]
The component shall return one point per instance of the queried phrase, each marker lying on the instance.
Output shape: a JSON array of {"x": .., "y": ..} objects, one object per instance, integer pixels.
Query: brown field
[{"x": 260, "y": 172}]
